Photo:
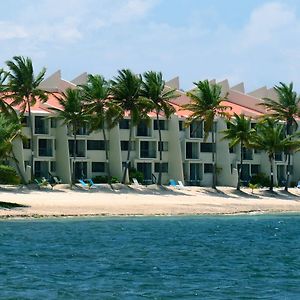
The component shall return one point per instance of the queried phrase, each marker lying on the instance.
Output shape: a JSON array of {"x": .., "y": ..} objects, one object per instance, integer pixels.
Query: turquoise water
[{"x": 247, "y": 257}]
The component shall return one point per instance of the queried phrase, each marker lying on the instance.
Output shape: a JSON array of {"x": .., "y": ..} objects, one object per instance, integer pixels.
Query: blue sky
[{"x": 254, "y": 41}]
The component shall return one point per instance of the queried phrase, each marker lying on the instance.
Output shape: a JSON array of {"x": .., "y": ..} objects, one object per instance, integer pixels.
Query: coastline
[{"x": 146, "y": 201}]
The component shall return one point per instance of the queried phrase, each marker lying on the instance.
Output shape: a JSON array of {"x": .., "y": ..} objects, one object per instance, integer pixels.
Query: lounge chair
[
  {"x": 89, "y": 184},
  {"x": 181, "y": 185},
  {"x": 136, "y": 183},
  {"x": 173, "y": 183},
  {"x": 43, "y": 182}
]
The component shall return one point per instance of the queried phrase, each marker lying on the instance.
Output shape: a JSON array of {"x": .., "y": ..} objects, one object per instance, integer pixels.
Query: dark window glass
[
  {"x": 206, "y": 147},
  {"x": 208, "y": 168},
  {"x": 162, "y": 124},
  {"x": 124, "y": 145},
  {"x": 53, "y": 123},
  {"x": 124, "y": 124},
  {"x": 95, "y": 145},
  {"x": 98, "y": 167},
  {"x": 181, "y": 127},
  {"x": 196, "y": 130},
  {"x": 25, "y": 121},
  {"x": 53, "y": 166},
  {"x": 254, "y": 169},
  {"x": 164, "y": 167}
]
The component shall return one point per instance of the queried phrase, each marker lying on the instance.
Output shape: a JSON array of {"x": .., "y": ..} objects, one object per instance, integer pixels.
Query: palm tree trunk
[
  {"x": 18, "y": 167},
  {"x": 286, "y": 188},
  {"x": 288, "y": 167},
  {"x": 240, "y": 167},
  {"x": 74, "y": 156},
  {"x": 160, "y": 150},
  {"x": 31, "y": 139},
  {"x": 214, "y": 179},
  {"x": 128, "y": 152},
  {"x": 272, "y": 174},
  {"x": 106, "y": 153}
]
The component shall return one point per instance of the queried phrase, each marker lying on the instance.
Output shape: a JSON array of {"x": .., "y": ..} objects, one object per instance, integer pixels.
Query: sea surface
[{"x": 232, "y": 257}]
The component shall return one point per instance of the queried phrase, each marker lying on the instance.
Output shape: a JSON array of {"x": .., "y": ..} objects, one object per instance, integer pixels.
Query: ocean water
[{"x": 238, "y": 257}]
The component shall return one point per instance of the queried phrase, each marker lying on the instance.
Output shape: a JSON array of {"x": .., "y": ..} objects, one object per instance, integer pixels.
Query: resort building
[{"x": 186, "y": 156}]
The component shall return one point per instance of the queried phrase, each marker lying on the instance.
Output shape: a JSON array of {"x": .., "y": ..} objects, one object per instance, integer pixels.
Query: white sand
[{"x": 147, "y": 201}]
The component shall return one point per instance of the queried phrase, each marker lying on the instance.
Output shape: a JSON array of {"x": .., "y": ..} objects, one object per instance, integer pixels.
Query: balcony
[
  {"x": 147, "y": 149},
  {"x": 45, "y": 147},
  {"x": 192, "y": 150},
  {"x": 196, "y": 130},
  {"x": 41, "y": 125},
  {"x": 143, "y": 129},
  {"x": 247, "y": 154},
  {"x": 80, "y": 148}
]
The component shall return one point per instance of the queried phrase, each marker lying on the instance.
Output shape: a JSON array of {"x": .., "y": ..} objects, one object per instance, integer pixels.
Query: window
[
  {"x": 45, "y": 147},
  {"x": 124, "y": 145},
  {"x": 25, "y": 121},
  {"x": 26, "y": 144},
  {"x": 196, "y": 130},
  {"x": 191, "y": 150},
  {"x": 231, "y": 149},
  {"x": 162, "y": 124},
  {"x": 279, "y": 156},
  {"x": 124, "y": 124},
  {"x": 164, "y": 167},
  {"x": 255, "y": 169},
  {"x": 41, "y": 125},
  {"x": 206, "y": 147},
  {"x": 53, "y": 122},
  {"x": 208, "y": 168},
  {"x": 98, "y": 167},
  {"x": 95, "y": 145},
  {"x": 181, "y": 125},
  {"x": 53, "y": 166},
  {"x": 143, "y": 129},
  {"x": 163, "y": 146}
]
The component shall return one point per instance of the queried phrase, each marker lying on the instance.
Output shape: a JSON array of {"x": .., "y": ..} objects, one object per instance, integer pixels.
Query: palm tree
[
  {"x": 24, "y": 90},
  {"x": 4, "y": 105},
  {"x": 269, "y": 136},
  {"x": 96, "y": 94},
  {"x": 285, "y": 109},
  {"x": 126, "y": 91},
  {"x": 205, "y": 106},
  {"x": 153, "y": 88},
  {"x": 10, "y": 129},
  {"x": 73, "y": 115},
  {"x": 238, "y": 132}
]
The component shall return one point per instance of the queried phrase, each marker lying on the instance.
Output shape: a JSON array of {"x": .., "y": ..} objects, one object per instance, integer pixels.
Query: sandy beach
[{"x": 129, "y": 201}]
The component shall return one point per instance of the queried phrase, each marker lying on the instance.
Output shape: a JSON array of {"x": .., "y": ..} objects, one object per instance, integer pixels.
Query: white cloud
[
  {"x": 268, "y": 23},
  {"x": 9, "y": 30}
]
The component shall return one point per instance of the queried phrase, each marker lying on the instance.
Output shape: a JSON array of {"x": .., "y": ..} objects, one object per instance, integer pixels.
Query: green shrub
[
  {"x": 104, "y": 179},
  {"x": 261, "y": 179},
  {"x": 8, "y": 175},
  {"x": 133, "y": 173}
]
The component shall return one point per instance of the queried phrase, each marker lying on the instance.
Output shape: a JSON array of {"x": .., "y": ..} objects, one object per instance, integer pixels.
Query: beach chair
[
  {"x": 181, "y": 185},
  {"x": 136, "y": 183},
  {"x": 90, "y": 183},
  {"x": 43, "y": 182},
  {"x": 173, "y": 183},
  {"x": 84, "y": 184}
]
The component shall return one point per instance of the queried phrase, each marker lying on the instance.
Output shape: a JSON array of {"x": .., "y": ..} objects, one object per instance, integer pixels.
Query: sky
[{"x": 252, "y": 41}]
